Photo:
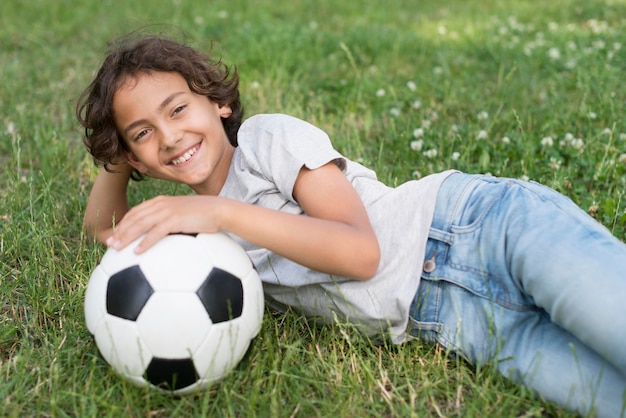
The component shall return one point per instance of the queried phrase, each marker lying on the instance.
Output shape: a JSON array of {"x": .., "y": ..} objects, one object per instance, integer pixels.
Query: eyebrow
[{"x": 162, "y": 106}]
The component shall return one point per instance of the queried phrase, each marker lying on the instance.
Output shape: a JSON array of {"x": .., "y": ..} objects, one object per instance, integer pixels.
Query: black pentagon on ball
[
  {"x": 222, "y": 296},
  {"x": 127, "y": 292},
  {"x": 171, "y": 374}
]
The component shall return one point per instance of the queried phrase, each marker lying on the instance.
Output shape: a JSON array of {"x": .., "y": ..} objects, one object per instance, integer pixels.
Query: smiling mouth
[{"x": 185, "y": 157}]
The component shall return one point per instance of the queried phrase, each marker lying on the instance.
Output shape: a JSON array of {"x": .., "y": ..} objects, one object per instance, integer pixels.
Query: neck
[{"x": 219, "y": 176}]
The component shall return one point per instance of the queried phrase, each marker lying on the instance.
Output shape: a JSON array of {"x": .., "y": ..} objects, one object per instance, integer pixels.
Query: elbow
[
  {"x": 369, "y": 262},
  {"x": 89, "y": 229},
  {"x": 94, "y": 232}
]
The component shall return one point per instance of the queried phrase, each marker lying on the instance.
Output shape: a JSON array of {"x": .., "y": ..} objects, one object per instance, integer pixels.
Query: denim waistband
[{"x": 453, "y": 194}]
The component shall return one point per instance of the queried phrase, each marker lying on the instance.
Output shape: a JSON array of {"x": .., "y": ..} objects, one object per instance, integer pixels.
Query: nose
[{"x": 169, "y": 138}]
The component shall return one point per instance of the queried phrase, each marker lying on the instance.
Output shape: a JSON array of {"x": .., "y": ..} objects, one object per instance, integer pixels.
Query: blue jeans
[{"x": 518, "y": 275}]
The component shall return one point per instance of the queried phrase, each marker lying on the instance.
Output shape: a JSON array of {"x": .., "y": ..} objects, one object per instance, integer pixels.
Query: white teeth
[{"x": 185, "y": 157}]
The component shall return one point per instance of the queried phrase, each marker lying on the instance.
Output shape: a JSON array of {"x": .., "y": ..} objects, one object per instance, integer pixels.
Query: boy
[{"x": 493, "y": 269}]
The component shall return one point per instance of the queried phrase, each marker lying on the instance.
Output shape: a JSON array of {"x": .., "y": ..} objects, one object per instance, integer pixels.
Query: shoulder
[
  {"x": 277, "y": 124},
  {"x": 273, "y": 143}
]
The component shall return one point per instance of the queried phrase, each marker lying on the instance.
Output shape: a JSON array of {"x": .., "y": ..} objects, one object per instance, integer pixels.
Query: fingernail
[{"x": 113, "y": 243}]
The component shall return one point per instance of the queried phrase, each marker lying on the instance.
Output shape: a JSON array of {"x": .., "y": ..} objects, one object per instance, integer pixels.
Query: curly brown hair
[{"x": 130, "y": 57}]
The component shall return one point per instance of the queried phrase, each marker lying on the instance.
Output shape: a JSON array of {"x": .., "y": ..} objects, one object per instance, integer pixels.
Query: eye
[
  {"x": 178, "y": 109},
  {"x": 141, "y": 134}
]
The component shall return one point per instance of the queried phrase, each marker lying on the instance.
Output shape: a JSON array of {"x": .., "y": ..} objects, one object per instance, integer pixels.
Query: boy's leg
[
  {"x": 513, "y": 261},
  {"x": 526, "y": 347},
  {"x": 573, "y": 268}
]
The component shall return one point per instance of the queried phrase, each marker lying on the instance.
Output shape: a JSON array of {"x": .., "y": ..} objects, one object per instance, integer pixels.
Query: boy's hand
[{"x": 163, "y": 215}]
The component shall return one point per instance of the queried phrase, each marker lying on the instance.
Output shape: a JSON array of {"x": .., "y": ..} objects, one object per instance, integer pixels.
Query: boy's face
[{"x": 173, "y": 133}]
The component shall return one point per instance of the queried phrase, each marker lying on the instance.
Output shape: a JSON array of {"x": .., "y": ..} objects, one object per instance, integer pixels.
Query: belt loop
[{"x": 439, "y": 235}]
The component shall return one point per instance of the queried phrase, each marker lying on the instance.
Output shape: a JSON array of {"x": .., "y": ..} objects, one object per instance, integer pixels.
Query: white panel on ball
[{"x": 180, "y": 316}]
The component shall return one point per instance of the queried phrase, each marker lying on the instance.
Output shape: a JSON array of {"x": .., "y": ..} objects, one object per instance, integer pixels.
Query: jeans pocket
[{"x": 478, "y": 205}]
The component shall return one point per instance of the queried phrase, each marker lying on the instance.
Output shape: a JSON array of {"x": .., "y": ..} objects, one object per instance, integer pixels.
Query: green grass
[{"x": 371, "y": 74}]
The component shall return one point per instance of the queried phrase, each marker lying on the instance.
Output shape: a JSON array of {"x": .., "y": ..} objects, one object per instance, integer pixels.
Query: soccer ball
[{"x": 178, "y": 317}]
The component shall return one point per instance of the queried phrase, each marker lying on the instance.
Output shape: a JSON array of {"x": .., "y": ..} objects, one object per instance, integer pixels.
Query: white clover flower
[
  {"x": 553, "y": 26},
  {"x": 313, "y": 25},
  {"x": 505, "y": 140},
  {"x": 592, "y": 115},
  {"x": 571, "y": 45},
  {"x": 482, "y": 134},
  {"x": 255, "y": 85},
  {"x": 442, "y": 30},
  {"x": 554, "y": 53},
  {"x": 543, "y": 95},
  {"x": 418, "y": 132},
  {"x": 433, "y": 116},
  {"x": 514, "y": 24},
  {"x": 578, "y": 143},
  {"x": 607, "y": 131},
  {"x": 416, "y": 104},
  {"x": 622, "y": 137},
  {"x": 417, "y": 145},
  {"x": 456, "y": 155},
  {"x": 198, "y": 20},
  {"x": 524, "y": 178},
  {"x": 438, "y": 70},
  {"x": 426, "y": 123},
  {"x": 570, "y": 64},
  {"x": 380, "y": 92},
  {"x": 431, "y": 153},
  {"x": 547, "y": 141},
  {"x": 617, "y": 46},
  {"x": 482, "y": 115},
  {"x": 411, "y": 85},
  {"x": 528, "y": 50},
  {"x": 394, "y": 111},
  {"x": 11, "y": 129},
  {"x": 417, "y": 174},
  {"x": 598, "y": 26},
  {"x": 555, "y": 164},
  {"x": 622, "y": 158},
  {"x": 454, "y": 128},
  {"x": 222, "y": 14},
  {"x": 599, "y": 44}
]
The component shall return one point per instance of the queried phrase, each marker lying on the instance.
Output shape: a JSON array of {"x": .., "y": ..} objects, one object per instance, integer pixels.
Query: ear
[
  {"x": 225, "y": 111},
  {"x": 134, "y": 162}
]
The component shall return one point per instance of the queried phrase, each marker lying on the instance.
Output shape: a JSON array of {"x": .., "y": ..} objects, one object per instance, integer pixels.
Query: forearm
[
  {"x": 323, "y": 245},
  {"x": 107, "y": 203}
]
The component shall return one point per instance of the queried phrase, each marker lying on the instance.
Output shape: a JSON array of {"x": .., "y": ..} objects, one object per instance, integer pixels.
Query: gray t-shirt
[{"x": 272, "y": 150}]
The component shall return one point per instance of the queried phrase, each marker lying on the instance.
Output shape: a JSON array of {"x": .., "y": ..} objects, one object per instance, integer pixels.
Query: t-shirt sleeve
[{"x": 278, "y": 146}]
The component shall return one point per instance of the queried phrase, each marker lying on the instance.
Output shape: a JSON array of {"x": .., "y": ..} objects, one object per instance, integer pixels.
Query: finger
[
  {"x": 132, "y": 227},
  {"x": 152, "y": 237}
]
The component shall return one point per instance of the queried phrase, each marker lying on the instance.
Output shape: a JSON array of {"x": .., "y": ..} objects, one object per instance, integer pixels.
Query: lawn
[{"x": 531, "y": 90}]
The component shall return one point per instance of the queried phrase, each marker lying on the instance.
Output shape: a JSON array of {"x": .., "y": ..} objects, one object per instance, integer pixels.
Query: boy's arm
[
  {"x": 335, "y": 237},
  {"x": 107, "y": 203}
]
